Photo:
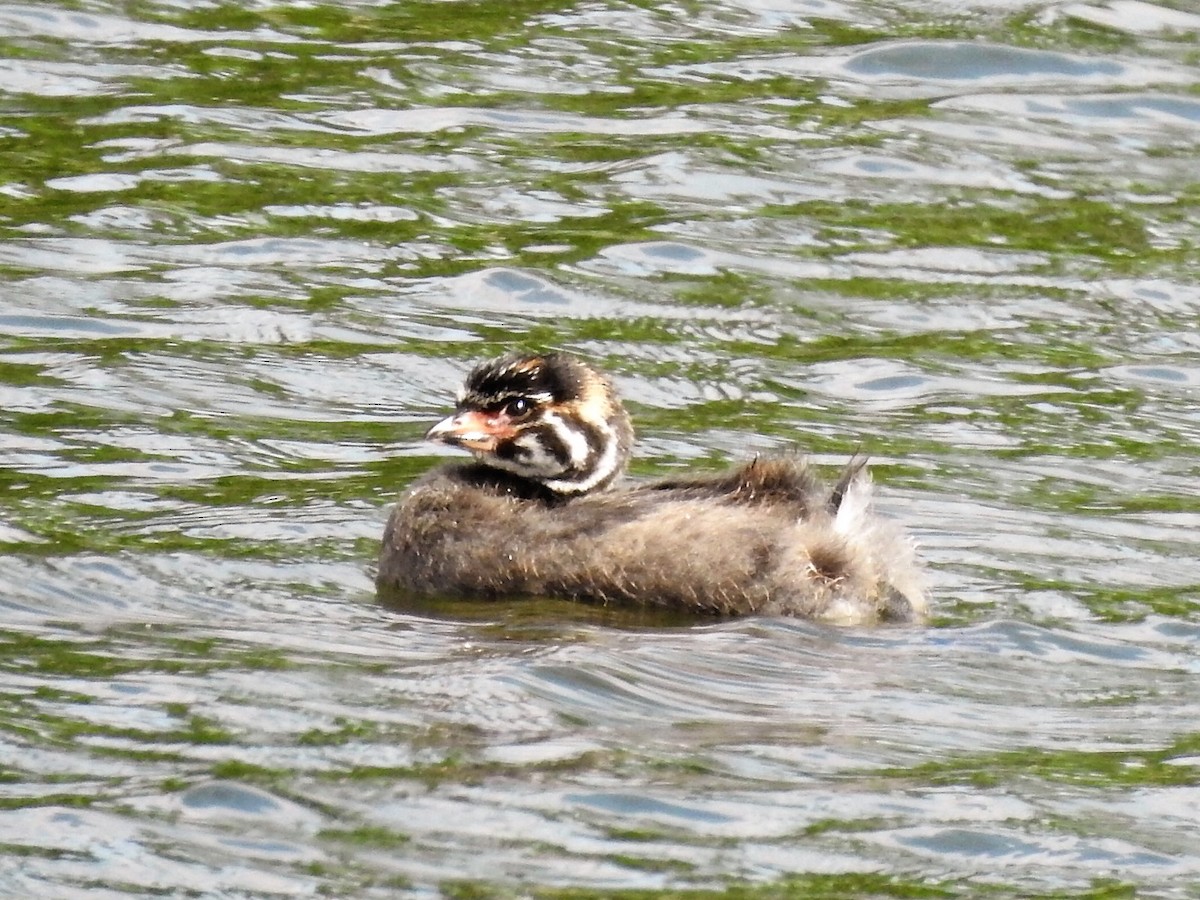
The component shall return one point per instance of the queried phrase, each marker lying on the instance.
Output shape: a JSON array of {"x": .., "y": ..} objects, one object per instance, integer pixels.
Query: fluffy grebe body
[{"x": 537, "y": 513}]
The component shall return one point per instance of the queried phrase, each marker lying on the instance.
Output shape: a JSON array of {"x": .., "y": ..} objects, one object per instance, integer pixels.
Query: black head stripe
[
  {"x": 493, "y": 402},
  {"x": 548, "y": 378},
  {"x": 552, "y": 443}
]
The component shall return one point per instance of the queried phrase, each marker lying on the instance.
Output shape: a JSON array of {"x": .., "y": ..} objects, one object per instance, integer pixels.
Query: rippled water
[{"x": 248, "y": 252}]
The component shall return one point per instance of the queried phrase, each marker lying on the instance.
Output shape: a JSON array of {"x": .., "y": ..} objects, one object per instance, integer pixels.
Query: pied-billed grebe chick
[{"x": 535, "y": 514}]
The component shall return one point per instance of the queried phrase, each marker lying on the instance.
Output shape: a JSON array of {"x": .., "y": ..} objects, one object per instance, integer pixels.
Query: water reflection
[
  {"x": 249, "y": 254},
  {"x": 954, "y": 61}
]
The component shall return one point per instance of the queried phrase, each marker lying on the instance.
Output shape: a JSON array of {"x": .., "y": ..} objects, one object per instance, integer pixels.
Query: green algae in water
[
  {"x": 152, "y": 226},
  {"x": 811, "y": 887}
]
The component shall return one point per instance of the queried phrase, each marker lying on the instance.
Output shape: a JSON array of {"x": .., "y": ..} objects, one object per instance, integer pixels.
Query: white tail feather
[{"x": 855, "y": 509}]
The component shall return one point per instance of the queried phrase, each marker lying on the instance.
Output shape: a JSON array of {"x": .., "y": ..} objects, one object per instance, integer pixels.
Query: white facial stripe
[
  {"x": 604, "y": 469},
  {"x": 536, "y": 459},
  {"x": 576, "y": 442},
  {"x": 534, "y": 463}
]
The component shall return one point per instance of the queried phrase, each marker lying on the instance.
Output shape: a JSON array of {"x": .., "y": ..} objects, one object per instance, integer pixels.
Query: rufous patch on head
[
  {"x": 527, "y": 366},
  {"x": 594, "y": 404}
]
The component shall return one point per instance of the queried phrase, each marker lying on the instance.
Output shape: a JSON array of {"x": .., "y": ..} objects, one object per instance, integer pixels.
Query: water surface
[{"x": 249, "y": 251}]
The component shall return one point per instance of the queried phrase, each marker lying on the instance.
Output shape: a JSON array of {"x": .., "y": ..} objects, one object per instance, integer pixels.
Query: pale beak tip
[
  {"x": 442, "y": 432},
  {"x": 462, "y": 430}
]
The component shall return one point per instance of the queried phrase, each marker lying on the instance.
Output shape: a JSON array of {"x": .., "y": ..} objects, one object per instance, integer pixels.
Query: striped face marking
[
  {"x": 577, "y": 449},
  {"x": 606, "y": 466},
  {"x": 548, "y": 418}
]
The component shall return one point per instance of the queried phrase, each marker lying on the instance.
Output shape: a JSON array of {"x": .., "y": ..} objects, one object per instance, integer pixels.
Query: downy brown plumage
[{"x": 536, "y": 513}]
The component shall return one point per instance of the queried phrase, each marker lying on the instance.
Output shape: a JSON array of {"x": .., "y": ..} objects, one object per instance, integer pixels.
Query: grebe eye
[{"x": 517, "y": 408}]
